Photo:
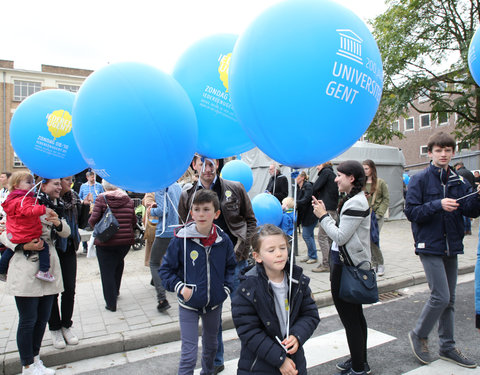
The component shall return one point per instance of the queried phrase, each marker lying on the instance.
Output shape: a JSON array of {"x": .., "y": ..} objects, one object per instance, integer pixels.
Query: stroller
[{"x": 139, "y": 228}]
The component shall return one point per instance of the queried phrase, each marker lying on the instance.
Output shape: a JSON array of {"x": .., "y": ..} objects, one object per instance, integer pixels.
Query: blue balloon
[
  {"x": 474, "y": 57},
  {"x": 135, "y": 126},
  {"x": 237, "y": 170},
  {"x": 42, "y": 137},
  {"x": 306, "y": 80},
  {"x": 267, "y": 209},
  {"x": 202, "y": 71},
  {"x": 406, "y": 178}
]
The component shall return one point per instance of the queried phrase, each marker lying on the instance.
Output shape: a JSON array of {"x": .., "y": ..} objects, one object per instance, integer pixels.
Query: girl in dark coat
[{"x": 260, "y": 307}]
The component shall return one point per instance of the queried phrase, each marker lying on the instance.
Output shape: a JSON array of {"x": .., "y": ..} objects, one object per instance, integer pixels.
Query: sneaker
[
  {"x": 69, "y": 336},
  {"x": 350, "y": 372},
  {"x": 31, "y": 370},
  {"x": 420, "y": 348},
  {"x": 347, "y": 365},
  {"x": 57, "y": 339},
  {"x": 45, "y": 276},
  {"x": 321, "y": 269},
  {"x": 218, "y": 369},
  {"x": 456, "y": 356},
  {"x": 38, "y": 363},
  {"x": 311, "y": 261},
  {"x": 163, "y": 305},
  {"x": 3, "y": 277},
  {"x": 381, "y": 270},
  {"x": 304, "y": 259}
]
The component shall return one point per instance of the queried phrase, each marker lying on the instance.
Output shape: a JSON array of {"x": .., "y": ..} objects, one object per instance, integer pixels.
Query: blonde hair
[
  {"x": 16, "y": 178},
  {"x": 289, "y": 202},
  {"x": 265, "y": 231}
]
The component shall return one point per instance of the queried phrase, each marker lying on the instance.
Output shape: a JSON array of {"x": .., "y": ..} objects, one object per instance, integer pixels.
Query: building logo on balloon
[
  {"x": 347, "y": 80},
  {"x": 59, "y": 124},
  {"x": 223, "y": 68}
]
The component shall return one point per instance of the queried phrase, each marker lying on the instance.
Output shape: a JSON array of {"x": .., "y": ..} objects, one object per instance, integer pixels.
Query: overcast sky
[{"x": 92, "y": 33}]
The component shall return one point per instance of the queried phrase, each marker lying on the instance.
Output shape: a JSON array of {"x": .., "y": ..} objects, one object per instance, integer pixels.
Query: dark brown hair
[
  {"x": 440, "y": 139},
  {"x": 373, "y": 168},
  {"x": 207, "y": 196}
]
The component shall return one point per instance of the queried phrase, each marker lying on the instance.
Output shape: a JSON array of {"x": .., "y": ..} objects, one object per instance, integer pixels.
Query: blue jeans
[
  {"x": 189, "y": 334},
  {"x": 33, "y": 314},
  {"x": 236, "y": 282},
  {"x": 308, "y": 237}
]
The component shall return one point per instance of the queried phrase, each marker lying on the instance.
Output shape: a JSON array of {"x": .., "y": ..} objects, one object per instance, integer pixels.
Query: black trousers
[
  {"x": 62, "y": 317},
  {"x": 111, "y": 264},
  {"x": 353, "y": 320}
]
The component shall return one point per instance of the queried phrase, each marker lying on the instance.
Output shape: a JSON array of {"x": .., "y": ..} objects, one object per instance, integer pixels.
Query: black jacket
[
  {"x": 325, "y": 188},
  {"x": 281, "y": 186},
  {"x": 467, "y": 175},
  {"x": 306, "y": 216},
  {"x": 254, "y": 316}
]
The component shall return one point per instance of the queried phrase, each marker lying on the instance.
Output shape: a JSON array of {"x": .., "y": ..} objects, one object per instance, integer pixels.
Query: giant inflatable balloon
[
  {"x": 474, "y": 57},
  {"x": 237, "y": 170},
  {"x": 202, "y": 71},
  {"x": 267, "y": 209},
  {"x": 305, "y": 80},
  {"x": 42, "y": 137},
  {"x": 135, "y": 126}
]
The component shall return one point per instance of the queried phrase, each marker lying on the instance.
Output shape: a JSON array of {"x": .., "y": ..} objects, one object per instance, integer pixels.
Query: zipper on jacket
[
  {"x": 444, "y": 196},
  {"x": 254, "y": 362},
  {"x": 207, "y": 251}
]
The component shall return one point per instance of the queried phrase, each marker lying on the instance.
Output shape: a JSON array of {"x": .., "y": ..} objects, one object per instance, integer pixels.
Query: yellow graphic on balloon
[
  {"x": 194, "y": 256},
  {"x": 59, "y": 123},
  {"x": 223, "y": 69}
]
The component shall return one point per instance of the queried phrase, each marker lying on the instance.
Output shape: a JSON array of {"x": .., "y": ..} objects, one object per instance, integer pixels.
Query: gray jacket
[{"x": 354, "y": 229}]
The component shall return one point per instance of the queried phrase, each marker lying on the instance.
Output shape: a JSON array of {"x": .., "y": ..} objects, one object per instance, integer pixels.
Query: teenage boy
[
  {"x": 199, "y": 266},
  {"x": 436, "y": 200}
]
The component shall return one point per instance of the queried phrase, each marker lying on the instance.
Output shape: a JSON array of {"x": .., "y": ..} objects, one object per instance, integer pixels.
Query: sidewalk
[{"x": 137, "y": 323}]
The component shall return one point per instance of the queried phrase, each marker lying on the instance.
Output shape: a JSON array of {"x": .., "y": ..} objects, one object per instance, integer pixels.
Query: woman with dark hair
[
  {"x": 378, "y": 198},
  {"x": 352, "y": 232},
  {"x": 306, "y": 216}
]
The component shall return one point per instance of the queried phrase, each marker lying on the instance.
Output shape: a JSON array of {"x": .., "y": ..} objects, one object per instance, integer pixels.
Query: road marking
[
  {"x": 443, "y": 367},
  {"x": 324, "y": 348}
]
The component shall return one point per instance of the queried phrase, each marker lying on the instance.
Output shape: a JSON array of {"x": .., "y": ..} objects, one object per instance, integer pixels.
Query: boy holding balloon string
[{"x": 199, "y": 266}]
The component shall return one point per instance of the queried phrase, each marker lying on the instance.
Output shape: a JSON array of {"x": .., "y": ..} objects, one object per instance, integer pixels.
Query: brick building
[{"x": 16, "y": 85}]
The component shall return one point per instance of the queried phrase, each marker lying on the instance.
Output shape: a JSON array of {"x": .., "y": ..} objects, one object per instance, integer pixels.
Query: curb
[{"x": 142, "y": 338}]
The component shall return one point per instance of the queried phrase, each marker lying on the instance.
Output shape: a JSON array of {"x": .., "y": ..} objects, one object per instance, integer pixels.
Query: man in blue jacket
[{"x": 437, "y": 199}]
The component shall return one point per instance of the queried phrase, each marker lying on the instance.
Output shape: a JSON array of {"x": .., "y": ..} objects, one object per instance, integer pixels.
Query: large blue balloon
[
  {"x": 306, "y": 79},
  {"x": 202, "y": 71},
  {"x": 42, "y": 137},
  {"x": 135, "y": 126},
  {"x": 474, "y": 57},
  {"x": 267, "y": 209},
  {"x": 237, "y": 170}
]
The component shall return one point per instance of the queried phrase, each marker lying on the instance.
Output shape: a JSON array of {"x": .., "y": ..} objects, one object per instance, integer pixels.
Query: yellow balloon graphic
[
  {"x": 223, "y": 69},
  {"x": 59, "y": 123}
]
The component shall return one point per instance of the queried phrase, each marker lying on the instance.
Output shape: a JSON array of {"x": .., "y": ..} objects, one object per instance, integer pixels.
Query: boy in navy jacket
[
  {"x": 437, "y": 199},
  {"x": 199, "y": 266}
]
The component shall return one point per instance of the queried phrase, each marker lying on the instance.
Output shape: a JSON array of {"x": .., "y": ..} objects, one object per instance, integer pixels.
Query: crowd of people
[{"x": 204, "y": 245}]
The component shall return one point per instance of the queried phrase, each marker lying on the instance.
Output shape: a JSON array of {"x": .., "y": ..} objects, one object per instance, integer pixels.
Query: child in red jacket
[{"x": 23, "y": 223}]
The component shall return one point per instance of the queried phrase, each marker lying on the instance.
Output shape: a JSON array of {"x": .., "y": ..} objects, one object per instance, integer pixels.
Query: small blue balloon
[
  {"x": 474, "y": 57},
  {"x": 406, "y": 178},
  {"x": 237, "y": 170},
  {"x": 135, "y": 126},
  {"x": 42, "y": 137},
  {"x": 306, "y": 80},
  {"x": 202, "y": 71},
  {"x": 267, "y": 209}
]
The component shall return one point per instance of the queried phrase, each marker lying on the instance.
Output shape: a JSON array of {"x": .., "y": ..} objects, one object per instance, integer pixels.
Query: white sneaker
[
  {"x": 69, "y": 336},
  {"x": 38, "y": 363},
  {"x": 57, "y": 339},
  {"x": 381, "y": 270},
  {"x": 31, "y": 370}
]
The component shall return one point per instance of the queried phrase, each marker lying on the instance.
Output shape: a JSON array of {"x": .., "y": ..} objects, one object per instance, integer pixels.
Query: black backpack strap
[{"x": 357, "y": 213}]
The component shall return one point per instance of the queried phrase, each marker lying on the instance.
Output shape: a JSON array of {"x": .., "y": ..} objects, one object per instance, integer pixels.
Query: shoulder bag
[{"x": 108, "y": 225}]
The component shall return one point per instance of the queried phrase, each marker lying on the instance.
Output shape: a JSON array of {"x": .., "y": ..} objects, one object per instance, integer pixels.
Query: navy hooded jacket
[
  {"x": 257, "y": 324},
  {"x": 435, "y": 230},
  {"x": 209, "y": 269}
]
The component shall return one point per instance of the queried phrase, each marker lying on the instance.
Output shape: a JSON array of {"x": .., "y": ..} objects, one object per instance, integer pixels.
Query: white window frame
[
  {"x": 31, "y": 87},
  {"x": 398, "y": 125},
  {"x": 413, "y": 123},
  {"x": 457, "y": 149},
  {"x": 71, "y": 88},
  {"x": 17, "y": 162},
  {"x": 420, "y": 125},
  {"x": 426, "y": 150},
  {"x": 442, "y": 123}
]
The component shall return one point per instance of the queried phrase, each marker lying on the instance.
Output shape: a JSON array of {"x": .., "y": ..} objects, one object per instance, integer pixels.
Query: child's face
[
  {"x": 25, "y": 184},
  {"x": 204, "y": 214},
  {"x": 273, "y": 253},
  {"x": 441, "y": 156}
]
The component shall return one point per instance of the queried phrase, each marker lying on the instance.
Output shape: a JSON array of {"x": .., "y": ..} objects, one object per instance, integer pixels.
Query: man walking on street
[{"x": 436, "y": 200}]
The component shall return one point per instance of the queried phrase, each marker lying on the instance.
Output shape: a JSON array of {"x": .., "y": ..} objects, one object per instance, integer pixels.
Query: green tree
[{"x": 424, "y": 47}]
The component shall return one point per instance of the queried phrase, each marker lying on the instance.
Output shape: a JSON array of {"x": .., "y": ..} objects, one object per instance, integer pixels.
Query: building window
[
  {"x": 425, "y": 121},
  {"x": 442, "y": 119},
  {"x": 409, "y": 124},
  {"x": 22, "y": 89},
  {"x": 462, "y": 146},
  {"x": 423, "y": 150},
  {"x": 71, "y": 88},
  {"x": 17, "y": 162},
  {"x": 396, "y": 126},
  {"x": 424, "y": 96}
]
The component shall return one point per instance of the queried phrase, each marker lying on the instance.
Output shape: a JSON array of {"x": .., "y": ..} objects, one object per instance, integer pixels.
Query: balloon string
[
  {"x": 28, "y": 192},
  {"x": 292, "y": 257}
]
